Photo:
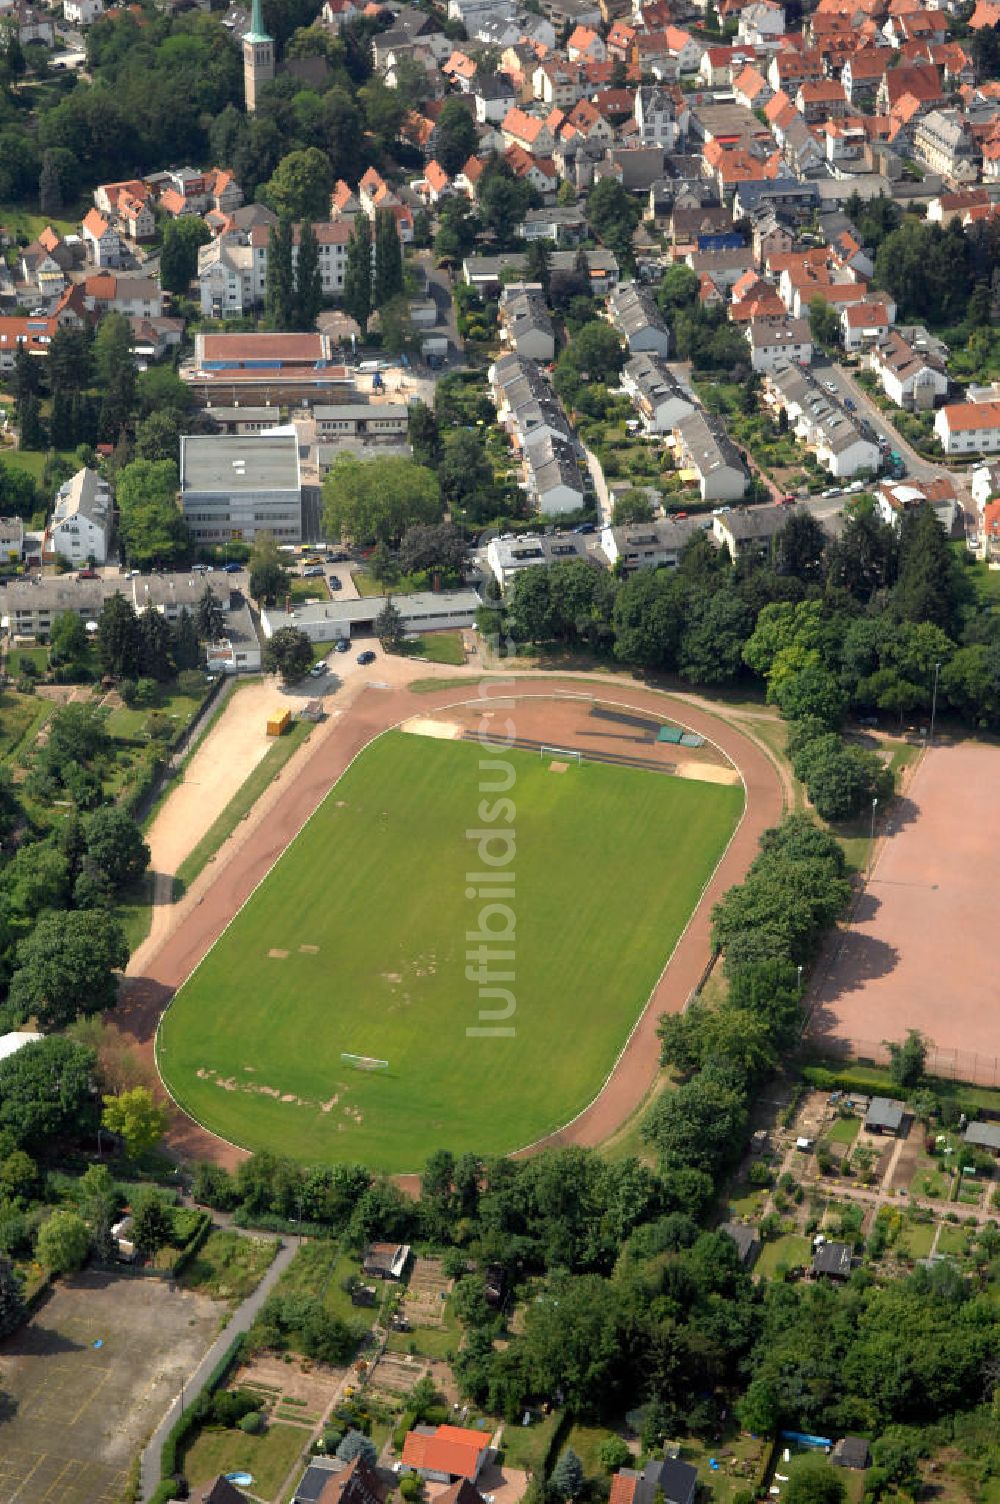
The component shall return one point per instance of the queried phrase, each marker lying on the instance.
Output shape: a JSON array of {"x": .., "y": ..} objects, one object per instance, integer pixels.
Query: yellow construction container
[{"x": 279, "y": 722}]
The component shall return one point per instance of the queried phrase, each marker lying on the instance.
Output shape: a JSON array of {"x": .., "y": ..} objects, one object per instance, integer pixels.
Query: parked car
[
  {"x": 318, "y": 669},
  {"x": 335, "y": 582},
  {"x": 367, "y": 656},
  {"x": 91, "y": 574},
  {"x": 314, "y": 572},
  {"x": 586, "y": 527},
  {"x": 831, "y": 386},
  {"x": 232, "y": 568},
  {"x": 343, "y": 645},
  {"x": 849, "y": 404}
]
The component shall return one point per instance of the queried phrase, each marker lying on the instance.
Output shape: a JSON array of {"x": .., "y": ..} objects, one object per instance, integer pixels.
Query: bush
[
  {"x": 410, "y": 1486},
  {"x": 252, "y": 1423},
  {"x": 230, "y": 1407}
]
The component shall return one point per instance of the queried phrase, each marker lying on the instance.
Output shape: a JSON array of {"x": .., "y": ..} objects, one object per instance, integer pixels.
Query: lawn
[
  {"x": 789, "y": 1250},
  {"x": 18, "y": 221},
  {"x": 438, "y": 647},
  {"x": 228, "y": 1266},
  {"x": 915, "y": 1239},
  {"x": 20, "y": 717},
  {"x": 843, "y": 1131},
  {"x": 270, "y": 1458},
  {"x": 357, "y": 942},
  {"x": 953, "y": 1240},
  {"x": 526, "y": 1446},
  {"x": 179, "y": 709}
]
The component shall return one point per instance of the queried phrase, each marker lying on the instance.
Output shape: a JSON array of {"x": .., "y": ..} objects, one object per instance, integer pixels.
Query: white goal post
[
  {"x": 363, "y": 1062},
  {"x": 572, "y": 753}
]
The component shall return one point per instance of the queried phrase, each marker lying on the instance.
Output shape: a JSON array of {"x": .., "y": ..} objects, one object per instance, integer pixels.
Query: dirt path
[{"x": 227, "y": 883}]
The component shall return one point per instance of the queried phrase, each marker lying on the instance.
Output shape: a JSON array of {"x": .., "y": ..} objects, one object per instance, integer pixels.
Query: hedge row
[{"x": 187, "y": 1421}]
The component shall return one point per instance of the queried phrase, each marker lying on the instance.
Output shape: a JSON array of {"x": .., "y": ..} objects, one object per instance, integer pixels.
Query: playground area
[{"x": 918, "y": 953}]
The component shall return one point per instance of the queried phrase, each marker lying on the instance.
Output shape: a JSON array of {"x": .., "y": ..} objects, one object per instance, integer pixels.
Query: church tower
[{"x": 258, "y": 57}]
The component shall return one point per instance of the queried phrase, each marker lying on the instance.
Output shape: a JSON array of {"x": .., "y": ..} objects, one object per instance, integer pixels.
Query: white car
[
  {"x": 318, "y": 669},
  {"x": 831, "y": 386}
]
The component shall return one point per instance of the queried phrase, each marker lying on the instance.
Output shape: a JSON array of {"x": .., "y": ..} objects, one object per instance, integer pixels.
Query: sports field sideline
[{"x": 356, "y": 942}]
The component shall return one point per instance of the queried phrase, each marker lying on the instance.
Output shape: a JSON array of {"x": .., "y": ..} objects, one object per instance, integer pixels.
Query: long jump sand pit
[{"x": 920, "y": 952}]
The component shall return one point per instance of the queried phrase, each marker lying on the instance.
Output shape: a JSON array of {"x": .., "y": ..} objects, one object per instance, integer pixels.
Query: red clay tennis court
[{"x": 920, "y": 952}]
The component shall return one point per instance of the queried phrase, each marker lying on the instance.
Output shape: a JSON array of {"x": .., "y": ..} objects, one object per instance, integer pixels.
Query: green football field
[{"x": 356, "y": 942}]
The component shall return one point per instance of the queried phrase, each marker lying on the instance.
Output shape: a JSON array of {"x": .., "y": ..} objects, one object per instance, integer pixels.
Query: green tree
[
  {"x": 811, "y": 1480},
  {"x": 908, "y": 1061},
  {"x": 631, "y": 506},
  {"x": 136, "y": 1119},
  {"x": 268, "y": 575},
  {"x": 158, "y": 437},
  {"x": 152, "y": 527},
  {"x": 46, "y": 1091},
  {"x": 388, "y": 275},
  {"x": 68, "y": 639},
  {"x": 154, "y": 646},
  {"x": 31, "y": 430},
  {"x": 288, "y": 653},
  {"x": 66, "y": 967},
  {"x": 184, "y": 645},
  {"x": 63, "y": 1242},
  {"x": 455, "y": 137},
  {"x": 300, "y": 186},
  {"x": 209, "y": 616},
  {"x": 13, "y": 1310},
  {"x": 279, "y": 289},
  {"x": 118, "y": 638},
  {"x": 358, "y": 273},
  {"x": 424, "y": 434},
  {"x": 50, "y": 194},
  {"x": 308, "y": 282},
  {"x": 377, "y": 500},
  {"x": 150, "y": 1222},
  {"x": 538, "y": 264},
  {"x": 389, "y": 626},
  {"x": 114, "y": 842},
  {"x": 434, "y": 546},
  {"x": 614, "y": 1453},
  {"x": 614, "y": 214},
  {"x": 179, "y": 251},
  {"x": 567, "y": 1476},
  {"x": 824, "y": 325},
  {"x": 357, "y": 1444}
]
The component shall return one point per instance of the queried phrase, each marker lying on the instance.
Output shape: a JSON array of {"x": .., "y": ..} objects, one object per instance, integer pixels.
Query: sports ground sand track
[{"x": 225, "y": 886}]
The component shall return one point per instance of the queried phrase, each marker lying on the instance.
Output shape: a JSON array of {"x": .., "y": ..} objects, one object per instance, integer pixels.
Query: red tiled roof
[{"x": 452, "y": 1450}]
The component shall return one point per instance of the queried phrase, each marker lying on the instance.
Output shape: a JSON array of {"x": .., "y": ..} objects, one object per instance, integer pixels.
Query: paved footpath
[{"x": 242, "y": 1320}]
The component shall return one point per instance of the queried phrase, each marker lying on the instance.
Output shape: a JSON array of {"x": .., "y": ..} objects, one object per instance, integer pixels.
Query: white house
[
  {"x": 910, "y": 377},
  {"x": 985, "y": 484},
  {"x": 774, "y": 341},
  {"x": 638, "y": 320},
  {"x": 969, "y": 427},
  {"x": 657, "y": 395},
  {"x": 656, "y": 117},
  {"x": 525, "y": 322},
  {"x": 553, "y": 474},
  {"x": 102, "y": 239},
  {"x": 225, "y": 278},
  {"x": 82, "y": 12},
  {"x": 80, "y": 527},
  {"x": 705, "y": 448},
  {"x": 648, "y": 545},
  {"x": 509, "y": 554}
]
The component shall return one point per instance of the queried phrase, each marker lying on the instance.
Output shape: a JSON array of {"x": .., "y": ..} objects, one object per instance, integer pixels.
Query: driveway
[
  {"x": 600, "y": 485},
  {"x": 919, "y": 469}
]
